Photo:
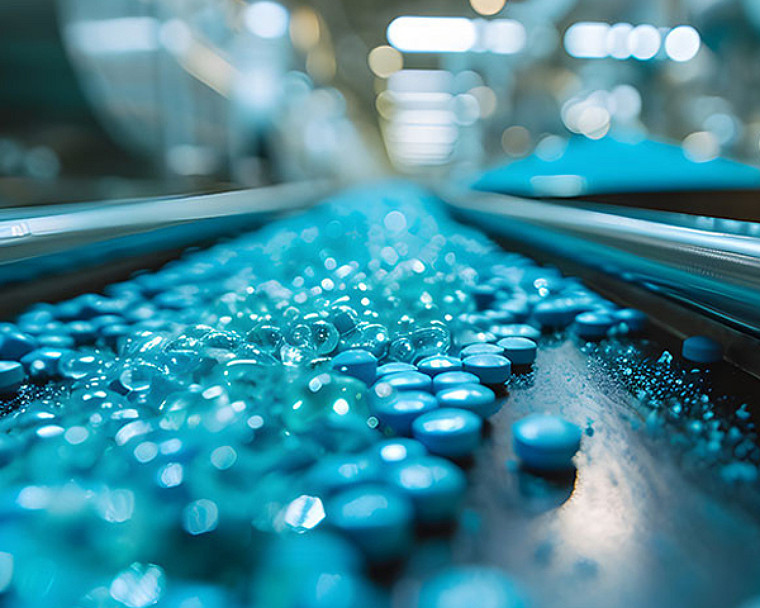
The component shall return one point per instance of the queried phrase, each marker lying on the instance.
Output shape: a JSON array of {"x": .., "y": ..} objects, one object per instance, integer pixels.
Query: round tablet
[
  {"x": 545, "y": 442},
  {"x": 360, "y": 364},
  {"x": 377, "y": 518},
  {"x": 520, "y": 351},
  {"x": 520, "y": 309},
  {"x": 409, "y": 381},
  {"x": 451, "y": 379},
  {"x": 56, "y": 341},
  {"x": 337, "y": 472},
  {"x": 634, "y": 320},
  {"x": 593, "y": 325},
  {"x": 399, "y": 411},
  {"x": 467, "y": 586},
  {"x": 484, "y": 296},
  {"x": 394, "y": 368},
  {"x": 42, "y": 364},
  {"x": 435, "y": 486},
  {"x": 701, "y": 349},
  {"x": 499, "y": 316},
  {"x": 483, "y": 348},
  {"x": 448, "y": 431},
  {"x": 438, "y": 364},
  {"x": 11, "y": 376},
  {"x": 521, "y": 330},
  {"x": 396, "y": 451},
  {"x": 14, "y": 345},
  {"x": 476, "y": 398},
  {"x": 491, "y": 369},
  {"x": 556, "y": 313}
]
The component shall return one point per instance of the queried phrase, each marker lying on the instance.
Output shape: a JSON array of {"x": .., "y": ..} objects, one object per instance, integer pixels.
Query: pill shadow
[{"x": 541, "y": 491}]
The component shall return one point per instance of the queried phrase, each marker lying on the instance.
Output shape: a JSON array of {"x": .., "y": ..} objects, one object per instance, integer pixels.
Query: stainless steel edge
[{"x": 716, "y": 273}]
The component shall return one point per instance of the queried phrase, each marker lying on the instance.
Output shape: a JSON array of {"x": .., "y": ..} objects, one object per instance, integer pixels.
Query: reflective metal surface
[{"x": 716, "y": 272}]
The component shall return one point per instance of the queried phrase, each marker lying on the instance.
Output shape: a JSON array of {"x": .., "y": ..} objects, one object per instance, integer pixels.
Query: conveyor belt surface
[{"x": 194, "y": 436}]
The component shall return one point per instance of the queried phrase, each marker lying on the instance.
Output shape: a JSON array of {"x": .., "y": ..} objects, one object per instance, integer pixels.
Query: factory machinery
[{"x": 175, "y": 439}]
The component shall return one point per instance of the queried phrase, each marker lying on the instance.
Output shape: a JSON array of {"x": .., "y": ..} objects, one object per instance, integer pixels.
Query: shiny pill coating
[
  {"x": 360, "y": 364},
  {"x": 470, "y": 586},
  {"x": 593, "y": 325},
  {"x": 448, "y": 431},
  {"x": 519, "y": 350},
  {"x": 409, "y": 381},
  {"x": 475, "y": 398},
  {"x": 12, "y": 376},
  {"x": 438, "y": 364},
  {"x": 491, "y": 369},
  {"x": 452, "y": 379},
  {"x": 400, "y": 410},
  {"x": 376, "y": 517},
  {"x": 545, "y": 442},
  {"x": 394, "y": 368},
  {"x": 482, "y": 348},
  {"x": 435, "y": 486}
]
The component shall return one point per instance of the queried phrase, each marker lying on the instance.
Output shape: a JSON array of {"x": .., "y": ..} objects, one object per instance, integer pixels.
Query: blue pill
[
  {"x": 593, "y": 325},
  {"x": 448, "y": 431},
  {"x": 112, "y": 334},
  {"x": 702, "y": 349},
  {"x": 14, "y": 345},
  {"x": 491, "y": 369},
  {"x": 519, "y": 309},
  {"x": 360, "y": 364},
  {"x": 435, "y": 486},
  {"x": 545, "y": 442},
  {"x": 42, "y": 364},
  {"x": 83, "y": 332},
  {"x": 452, "y": 379},
  {"x": 409, "y": 381},
  {"x": 634, "y": 320},
  {"x": 338, "y": 472},
  {"x": 469, "y": 586},
  {"x": 377, "y": 518},
  {"x": 483, "y": 348},
  {"x": 396, "y": 451},
  {"x": 438, "y": 364},
  {"x": 12, "y": 376},
  {"x": 400, "y": 410},
  {"x": 395, "y": 368},
  {"x": 520, "y": 351},
  {"x": 476, "y": 398},
  {"x": 556, "y": 313},
  {"x": 56, "y": 341},
  {"x": 499, "y": 316},
  {"x": 484, "y": 296},
  {"x": 519, "y": 330}
]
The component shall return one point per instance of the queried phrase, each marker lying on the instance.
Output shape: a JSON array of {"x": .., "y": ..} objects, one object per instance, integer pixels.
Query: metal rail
[
  {"x": 63, "y": 238},
  {"x": 715, "y": 272}
]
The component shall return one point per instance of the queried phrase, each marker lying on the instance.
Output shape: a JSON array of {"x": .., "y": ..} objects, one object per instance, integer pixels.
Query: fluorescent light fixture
[
  {"x": 682, "y": 43},
  {"x": 587, "y": 39},
  {"x": 505, "y": 36},
  {"x": 644, "y": 42},
  {"x": 114, "y": 36},
  {"x": 432, "y": 34},
  {"x": 267, "y": 19}
]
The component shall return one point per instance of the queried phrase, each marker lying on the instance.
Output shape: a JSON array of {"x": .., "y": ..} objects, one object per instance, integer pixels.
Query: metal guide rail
[
  {"x": 58, "y": 240},
  {"x": 694, "y": 264}
]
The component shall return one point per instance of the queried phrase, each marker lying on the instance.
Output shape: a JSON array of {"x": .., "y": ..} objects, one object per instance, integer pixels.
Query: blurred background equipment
[{"x": 209, "y": 92}]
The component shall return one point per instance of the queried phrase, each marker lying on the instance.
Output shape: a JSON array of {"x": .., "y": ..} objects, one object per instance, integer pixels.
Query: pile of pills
[{"x": 258, "y": 423}]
